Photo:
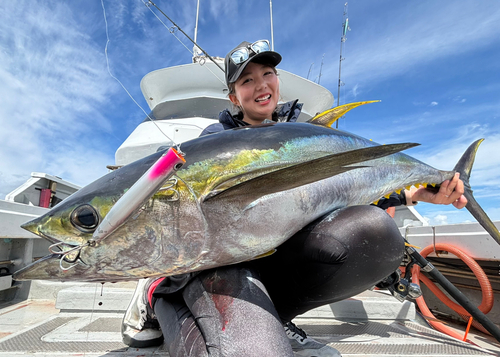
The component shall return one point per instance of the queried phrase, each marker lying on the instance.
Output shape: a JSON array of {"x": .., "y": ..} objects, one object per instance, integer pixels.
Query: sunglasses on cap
[{"x": 242, "y": 54}]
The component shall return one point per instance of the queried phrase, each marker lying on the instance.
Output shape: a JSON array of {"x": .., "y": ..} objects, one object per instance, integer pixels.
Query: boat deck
[{"x": 370, "y": 324}]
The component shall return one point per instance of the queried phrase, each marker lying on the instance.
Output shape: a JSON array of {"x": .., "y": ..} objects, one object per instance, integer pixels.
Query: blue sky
[{"x": 433, "y": 64}]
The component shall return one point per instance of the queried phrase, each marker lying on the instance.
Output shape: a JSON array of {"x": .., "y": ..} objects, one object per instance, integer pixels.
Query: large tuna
[{"x": 241, "y": 194}]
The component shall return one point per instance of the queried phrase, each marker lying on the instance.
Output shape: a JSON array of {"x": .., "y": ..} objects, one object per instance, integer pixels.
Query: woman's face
[{"x": 257, "y": 92}]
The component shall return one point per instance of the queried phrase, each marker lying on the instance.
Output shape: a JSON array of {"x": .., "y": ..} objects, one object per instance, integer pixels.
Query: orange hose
[{"x": 487, "y": 291}]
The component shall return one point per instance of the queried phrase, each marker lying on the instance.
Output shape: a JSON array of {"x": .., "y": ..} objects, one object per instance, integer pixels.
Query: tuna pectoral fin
[
  {"x": 464, "y": 166},
  {"x": 304, "y": 173},
  {"x": 328, "y": 117}
]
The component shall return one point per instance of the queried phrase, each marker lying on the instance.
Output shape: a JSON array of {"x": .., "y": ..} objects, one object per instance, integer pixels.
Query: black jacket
[{"x": 288, "y": 112}]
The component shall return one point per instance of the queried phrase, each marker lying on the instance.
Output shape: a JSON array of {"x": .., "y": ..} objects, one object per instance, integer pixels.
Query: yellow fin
[
  {"x": 376, "y": 202},
  {"x": 388, "y": 195},
  {"x": 399, "y": 191},
  {"x": 271, "y": 252},
  {"x": 408, "y": 188},
  {"x": 328, "y": 117},
  {"x": 411, "y": 245}
]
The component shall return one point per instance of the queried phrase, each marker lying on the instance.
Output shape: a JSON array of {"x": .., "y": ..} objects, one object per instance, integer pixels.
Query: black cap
[{"x": 233, "y": 71}]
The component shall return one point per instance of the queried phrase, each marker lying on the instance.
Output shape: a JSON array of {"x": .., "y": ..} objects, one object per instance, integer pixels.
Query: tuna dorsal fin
[
  {"x": 328, "y": 117},
  {"x": 464, "y": 166},
  {"x": 302, "y": 174}
]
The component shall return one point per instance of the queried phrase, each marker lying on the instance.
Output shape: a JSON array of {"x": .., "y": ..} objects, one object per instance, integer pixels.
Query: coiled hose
[{"x": 487, "y": 292}]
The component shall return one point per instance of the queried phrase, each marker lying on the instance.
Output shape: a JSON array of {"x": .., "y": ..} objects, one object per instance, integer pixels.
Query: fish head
[
  {"x": 71, "y": 222},
  {"x": 68, "y": 227},
  {"x": 156, "y": 232},
  {"x": 74, "y": 220}
]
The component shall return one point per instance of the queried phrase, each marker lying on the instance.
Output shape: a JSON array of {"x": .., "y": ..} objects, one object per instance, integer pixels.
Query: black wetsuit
[{"x": 239, "y": 309}]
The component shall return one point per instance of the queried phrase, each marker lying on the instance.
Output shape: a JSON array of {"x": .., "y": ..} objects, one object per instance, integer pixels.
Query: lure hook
[{"x": 65, "y": 252}]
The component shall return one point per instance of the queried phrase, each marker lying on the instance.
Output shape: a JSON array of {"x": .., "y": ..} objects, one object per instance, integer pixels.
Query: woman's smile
[{"x": 256, "y": 92}]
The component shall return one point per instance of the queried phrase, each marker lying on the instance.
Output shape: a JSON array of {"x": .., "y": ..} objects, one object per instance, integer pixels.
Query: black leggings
[
  {"x": 222, "y": 312},
  {"x": 227, "y": 311}
]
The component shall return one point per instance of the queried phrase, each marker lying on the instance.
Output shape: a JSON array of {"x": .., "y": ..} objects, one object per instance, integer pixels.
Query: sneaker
[
  {"x": 140, "y": 328},
  {"x": 304, "y": 346}
]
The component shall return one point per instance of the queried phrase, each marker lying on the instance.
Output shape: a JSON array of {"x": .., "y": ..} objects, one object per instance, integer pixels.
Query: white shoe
[{"x": 140, "y": 327}]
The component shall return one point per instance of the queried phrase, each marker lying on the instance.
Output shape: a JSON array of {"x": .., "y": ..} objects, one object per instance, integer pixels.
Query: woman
[{"x": 246, "y": 309}]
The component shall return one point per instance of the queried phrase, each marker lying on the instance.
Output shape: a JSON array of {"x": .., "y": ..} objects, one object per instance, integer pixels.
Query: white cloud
[
  {"x": 223, "y": 8},
  {"x": 52, "y": 84},
  {"x": 354, "y": 90},
  {"x": 440, "y": 219},
  {"x": 459, "y": 99},
  {"x": 433, "y": 104},
  {"x": 439, "y": 215}
]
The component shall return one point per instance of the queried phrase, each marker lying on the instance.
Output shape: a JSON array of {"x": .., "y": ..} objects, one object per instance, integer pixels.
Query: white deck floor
[{"x": 370, "y": 324}]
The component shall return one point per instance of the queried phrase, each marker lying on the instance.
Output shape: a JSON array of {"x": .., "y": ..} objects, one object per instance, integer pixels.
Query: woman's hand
[{"x": 450, "y": 192}]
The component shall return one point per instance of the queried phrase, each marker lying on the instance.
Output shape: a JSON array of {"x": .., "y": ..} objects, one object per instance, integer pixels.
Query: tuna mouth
[
  {"x": 66, "y": 253},
  {"x": 33, "y": 226},
  {"x": 263, "y": 98},
  {"x": 38, "y": 232}
]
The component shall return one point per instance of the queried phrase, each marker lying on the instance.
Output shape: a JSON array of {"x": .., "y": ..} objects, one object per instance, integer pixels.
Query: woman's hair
[{"x": 232, "y": 90}]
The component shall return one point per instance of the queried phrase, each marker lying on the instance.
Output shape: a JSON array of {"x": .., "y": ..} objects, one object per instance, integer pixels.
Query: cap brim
[{"x": 268, "y": 57}]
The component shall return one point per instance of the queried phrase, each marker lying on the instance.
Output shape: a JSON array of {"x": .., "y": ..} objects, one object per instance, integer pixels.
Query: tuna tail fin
[
  {"x": 328, "y": 117},
  {"x": 464, "y": 167}
]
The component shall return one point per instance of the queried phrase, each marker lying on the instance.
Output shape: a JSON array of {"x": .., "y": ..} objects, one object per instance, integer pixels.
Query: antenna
[
  {"x": 308, "y": 73},
  {"x": 272, "y": 34},
  {"x": 196, "y": 51},
  {"x": 321, "y": 68},
  {"x": 343, "y": 38}
]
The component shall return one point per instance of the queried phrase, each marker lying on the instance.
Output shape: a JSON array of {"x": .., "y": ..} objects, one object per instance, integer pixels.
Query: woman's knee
[
  {"x": 227, "y": 280},
  {"x": 234, "y": 281},
  {"x": 353, "y": 230},
  {"x": 364, "y": 221}
]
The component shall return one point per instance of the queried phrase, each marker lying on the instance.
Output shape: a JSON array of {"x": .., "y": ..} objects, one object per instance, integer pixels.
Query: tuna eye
[{"x": 85, "y": 218}]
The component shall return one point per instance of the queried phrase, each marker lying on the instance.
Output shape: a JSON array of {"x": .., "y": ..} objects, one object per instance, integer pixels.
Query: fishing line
[
  {"x": 125, "y": 89},
  {"x": 91, "y": 315},
  {"x": 185, "y": 34},
  {"x": 172, "y": 31}
]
